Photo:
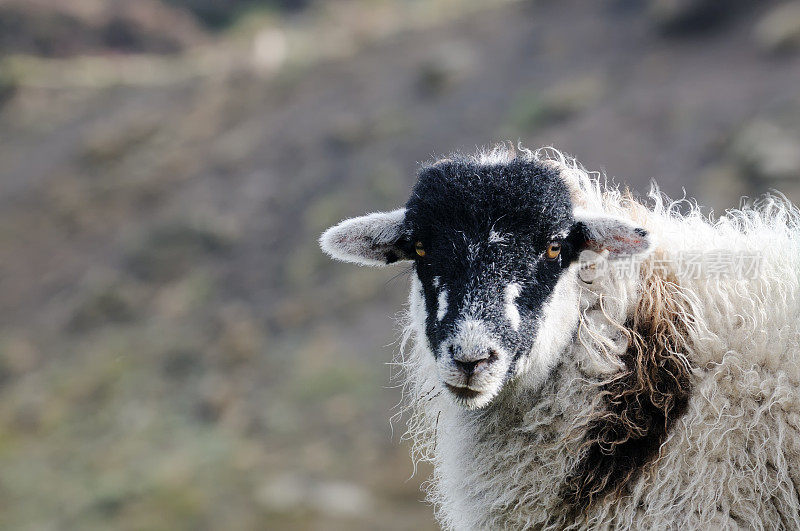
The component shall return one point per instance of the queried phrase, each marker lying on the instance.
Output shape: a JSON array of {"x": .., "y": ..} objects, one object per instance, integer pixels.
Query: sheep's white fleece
[{"x": 732, "y": 460}]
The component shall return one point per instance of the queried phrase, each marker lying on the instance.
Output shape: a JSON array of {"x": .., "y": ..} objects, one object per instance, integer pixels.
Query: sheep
[{"x": 575, "y": 357}]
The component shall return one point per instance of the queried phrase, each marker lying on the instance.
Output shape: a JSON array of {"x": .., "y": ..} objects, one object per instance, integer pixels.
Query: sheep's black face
[
  {"x": 495, "y": 290},
  {"x": 490, "y": 244}
]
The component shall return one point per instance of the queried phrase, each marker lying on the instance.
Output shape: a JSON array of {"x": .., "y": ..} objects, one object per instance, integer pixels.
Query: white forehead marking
[
  {"x": 442, "y": 305},
  {"x": 496, "y": 237},
  {"x": 437, "y": 281},
  {"x": 473, "y": 250},
  {"x": 512, "y": 312}
]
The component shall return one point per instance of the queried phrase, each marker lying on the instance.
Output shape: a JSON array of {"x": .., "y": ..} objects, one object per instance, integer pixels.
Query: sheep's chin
[{"x": 471, "y": 399}]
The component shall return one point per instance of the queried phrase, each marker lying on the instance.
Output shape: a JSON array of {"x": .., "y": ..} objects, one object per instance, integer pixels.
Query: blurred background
[{"x": 175, "y": 351}]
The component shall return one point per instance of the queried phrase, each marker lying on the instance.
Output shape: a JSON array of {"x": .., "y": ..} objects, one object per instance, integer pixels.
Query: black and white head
[{"x": 494, "y": 246}]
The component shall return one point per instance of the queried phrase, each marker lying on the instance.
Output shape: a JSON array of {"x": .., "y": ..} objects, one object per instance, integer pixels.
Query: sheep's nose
[{"x": 472, "y": 362}]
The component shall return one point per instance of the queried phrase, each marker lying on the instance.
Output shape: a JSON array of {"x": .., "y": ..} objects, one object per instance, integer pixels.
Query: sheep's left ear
[
  {"x": 375, "y": 239},
  {"x": 606, "y": 233}
]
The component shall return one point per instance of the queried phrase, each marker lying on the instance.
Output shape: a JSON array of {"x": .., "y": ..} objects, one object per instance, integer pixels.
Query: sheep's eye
[
  {"x": 419, "y": 248},
  {"x": 553, "y": 250}
]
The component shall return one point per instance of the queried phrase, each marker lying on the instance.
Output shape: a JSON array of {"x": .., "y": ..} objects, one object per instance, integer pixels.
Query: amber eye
[
  {"x": 553, "y": 250},
  {"x": 419, "y": 248}
]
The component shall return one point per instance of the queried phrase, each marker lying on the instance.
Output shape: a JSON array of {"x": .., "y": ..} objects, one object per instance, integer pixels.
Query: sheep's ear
[
  {"x": 606, "y": 233},
  {"x": 374, "y": 240}
]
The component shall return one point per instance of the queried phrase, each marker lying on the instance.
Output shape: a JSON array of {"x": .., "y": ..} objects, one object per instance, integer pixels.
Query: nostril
[
  {"x": 467, "y": 367},
  {"x": 470, "y": 367}
]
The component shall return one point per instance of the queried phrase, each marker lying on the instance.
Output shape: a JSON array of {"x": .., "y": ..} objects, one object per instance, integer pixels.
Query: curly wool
[{"x": 707, "y": 365}]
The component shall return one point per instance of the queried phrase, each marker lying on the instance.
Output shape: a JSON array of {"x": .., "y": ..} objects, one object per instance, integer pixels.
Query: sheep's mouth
[{"x": 464, "y": 393}]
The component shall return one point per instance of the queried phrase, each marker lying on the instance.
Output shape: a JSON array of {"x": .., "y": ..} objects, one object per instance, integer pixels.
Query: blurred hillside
[{"x": 175, "y": 351}]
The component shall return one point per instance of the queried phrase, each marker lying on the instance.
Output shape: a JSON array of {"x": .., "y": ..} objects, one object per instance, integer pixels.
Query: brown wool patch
[{"x": 639, "y": 406}]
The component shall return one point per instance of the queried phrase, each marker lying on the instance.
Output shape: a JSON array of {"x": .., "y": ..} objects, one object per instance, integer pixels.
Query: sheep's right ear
[{"x": 374, "y": 240}]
